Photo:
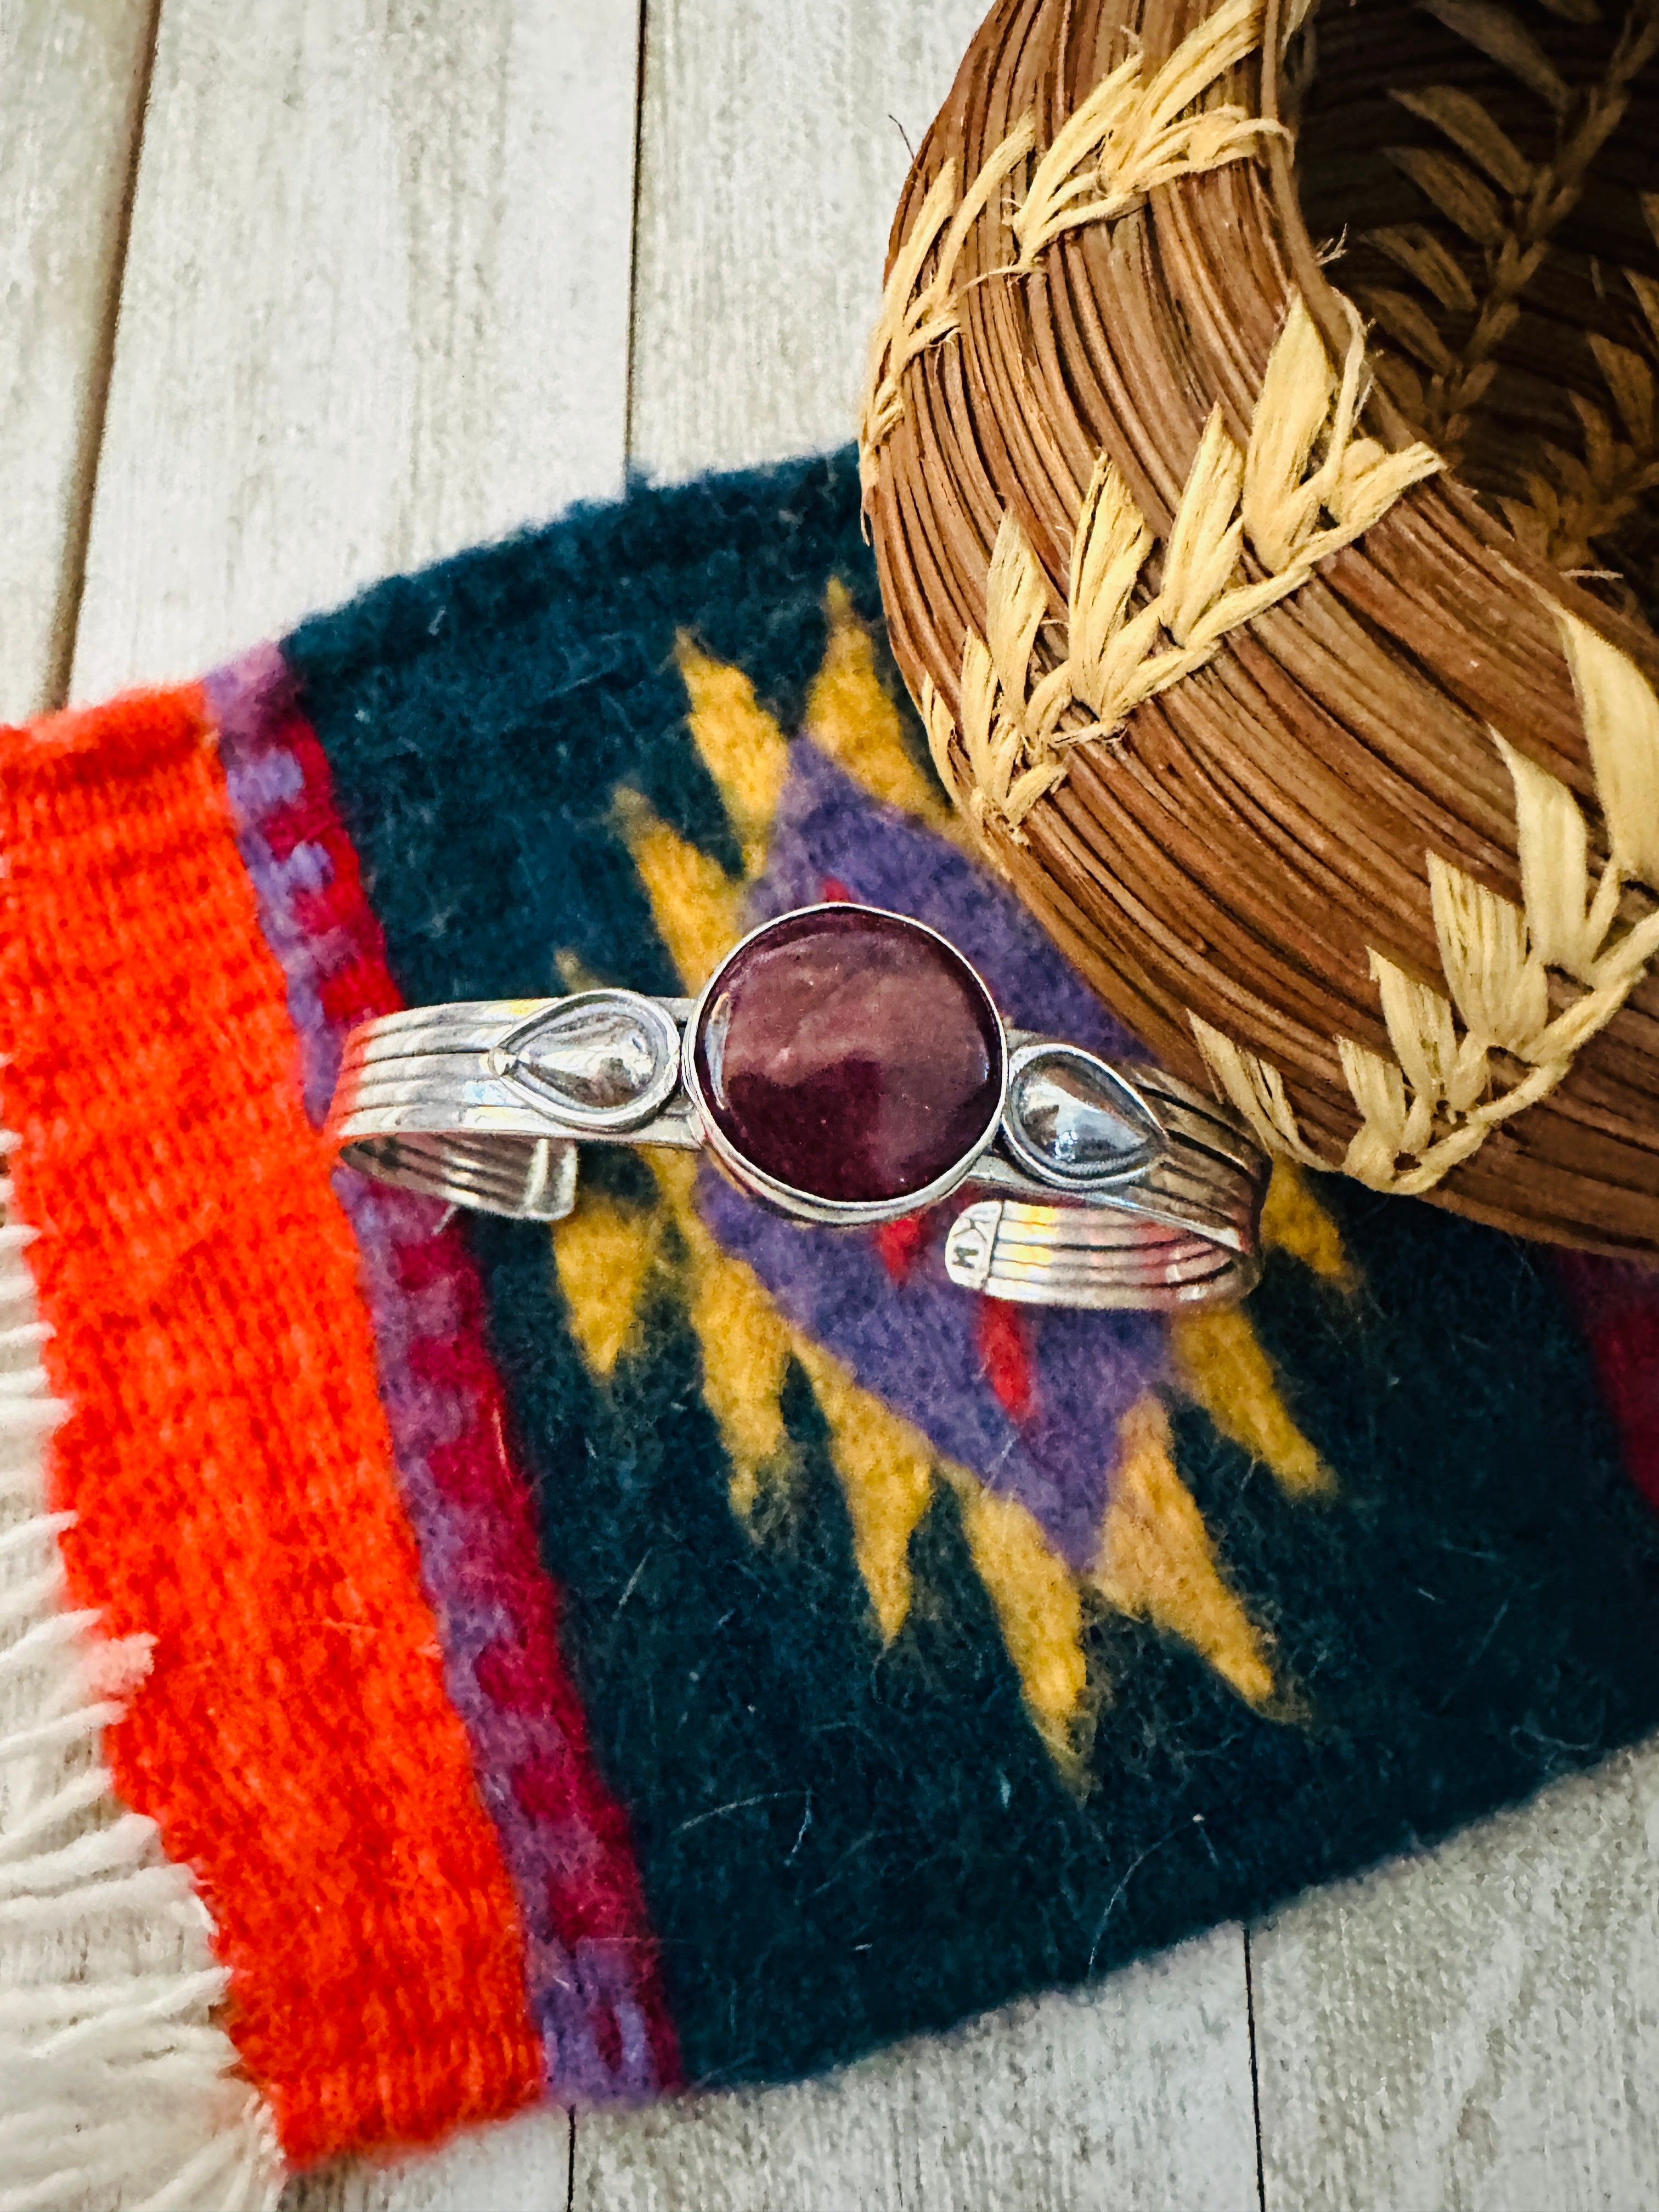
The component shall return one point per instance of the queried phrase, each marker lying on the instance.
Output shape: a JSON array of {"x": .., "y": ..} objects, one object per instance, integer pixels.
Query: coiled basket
[{"x": 1259, "y": 447}]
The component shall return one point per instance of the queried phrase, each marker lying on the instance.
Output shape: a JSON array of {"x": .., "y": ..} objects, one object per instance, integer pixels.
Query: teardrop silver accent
[
  {"x": 1075, "y": 1122},
  {"x": 605, "y": 1061}
]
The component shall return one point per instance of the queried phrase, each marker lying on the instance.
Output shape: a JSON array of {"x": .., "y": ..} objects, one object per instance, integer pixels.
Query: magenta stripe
[{"x": 593, "y": 1997}]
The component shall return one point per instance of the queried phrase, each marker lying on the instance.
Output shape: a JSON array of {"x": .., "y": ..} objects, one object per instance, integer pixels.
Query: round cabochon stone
[{"x": 850, "y": 1054}]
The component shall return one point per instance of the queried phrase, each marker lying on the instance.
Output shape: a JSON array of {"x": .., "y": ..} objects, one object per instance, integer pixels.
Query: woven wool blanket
[{"x": 447, "y": 1663}]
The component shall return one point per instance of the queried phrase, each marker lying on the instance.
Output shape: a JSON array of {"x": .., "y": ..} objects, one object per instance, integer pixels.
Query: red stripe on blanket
[
  {"x": 1618, "y": 1304},
  {"x": 591, "y": 1959},
  {"x": 227, "y": 1453}
]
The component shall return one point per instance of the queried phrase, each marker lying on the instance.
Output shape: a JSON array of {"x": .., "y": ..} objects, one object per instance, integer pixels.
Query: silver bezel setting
[
  {"x": 439, "y": 1100},
  {"x": 507, "y": 1063},
  {"x": 805, "y": 1206},
  {"x": 1055, "y": 1172}
]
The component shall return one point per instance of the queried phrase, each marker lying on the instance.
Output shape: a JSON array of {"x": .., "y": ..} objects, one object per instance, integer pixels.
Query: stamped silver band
[{"x": 1089, "y": 1185}]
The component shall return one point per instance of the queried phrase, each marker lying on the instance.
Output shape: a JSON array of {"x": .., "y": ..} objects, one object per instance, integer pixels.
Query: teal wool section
[
  {"x": 841, "y": 1845},
  {"x": 783, "y": 1774},
  {"x": 480, "y": 716},
  {"x": 843, "y": 1841}
]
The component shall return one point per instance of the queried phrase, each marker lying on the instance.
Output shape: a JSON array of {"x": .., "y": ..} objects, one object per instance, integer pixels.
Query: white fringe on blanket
[{"x": 119, "y": 2092}]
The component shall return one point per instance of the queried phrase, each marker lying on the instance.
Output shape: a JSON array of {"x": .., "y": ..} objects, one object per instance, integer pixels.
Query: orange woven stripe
[{"x": 228, "y": 1453}]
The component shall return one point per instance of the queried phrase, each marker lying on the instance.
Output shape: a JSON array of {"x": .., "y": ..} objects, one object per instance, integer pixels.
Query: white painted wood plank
[
  {"x": 71, "y": 72},
  {"x": 1476, "y": 2030},
  {"x": 519, "y": 2166},
  {"x": 770, "y": 165},
  {"x": 1136, "y": 2095},
  {"x": 376, "y": 308}
]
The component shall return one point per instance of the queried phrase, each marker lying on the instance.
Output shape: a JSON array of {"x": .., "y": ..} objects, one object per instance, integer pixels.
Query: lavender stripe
[
  {"x": 423, "y": 1418},
  {"x": 250, "y": 699},
  {"x": 914, "y": 1343},
  {"x": 828, "y": 828}
]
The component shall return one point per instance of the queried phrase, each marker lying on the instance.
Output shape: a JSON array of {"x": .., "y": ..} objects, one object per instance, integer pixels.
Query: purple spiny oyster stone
[{"x": 850, "y": 1054}]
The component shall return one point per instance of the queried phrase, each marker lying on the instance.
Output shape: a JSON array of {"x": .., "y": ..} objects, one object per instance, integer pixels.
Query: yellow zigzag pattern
[{"x": 1157, "y": 1559}]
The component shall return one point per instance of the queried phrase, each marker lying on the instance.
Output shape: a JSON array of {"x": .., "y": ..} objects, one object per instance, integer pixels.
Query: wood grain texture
[
  {"x": 376, "y": 308},
  {"x": 771, "y": 157},
  {"x": 72, "y": 71},
  {"x": 520, "y": 2166},
  {"x": 1135, "y": 2096},
  {"x": 1476, "y": 2030}
]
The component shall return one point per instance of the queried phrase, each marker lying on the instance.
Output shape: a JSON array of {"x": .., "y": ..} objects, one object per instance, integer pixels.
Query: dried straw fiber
[{"x": 1290, "y": 646}]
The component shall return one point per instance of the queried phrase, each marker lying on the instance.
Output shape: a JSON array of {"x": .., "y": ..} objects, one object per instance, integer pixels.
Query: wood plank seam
[
  {"x": 78, "y": 521},
  {"x": 1256, "y": 2073},
  {"x": 633, "y": 281}
]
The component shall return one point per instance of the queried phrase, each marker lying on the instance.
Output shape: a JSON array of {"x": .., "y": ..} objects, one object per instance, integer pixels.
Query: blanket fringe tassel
[{"x": 118, "y": 2091}]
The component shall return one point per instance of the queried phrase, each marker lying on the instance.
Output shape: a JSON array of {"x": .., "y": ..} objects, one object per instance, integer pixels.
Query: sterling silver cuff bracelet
[{"x": 843, "y": 1066}]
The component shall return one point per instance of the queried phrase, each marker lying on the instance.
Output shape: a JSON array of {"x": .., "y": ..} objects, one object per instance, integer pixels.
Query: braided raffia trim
[
  {"x": 1274, "y": 495},
  {"x": 1511, "y": 212},
  {"x": 1128, "y": 137},
  {"x": 910, "y": 320},
  {"x": 1466, "y": 1062}
]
